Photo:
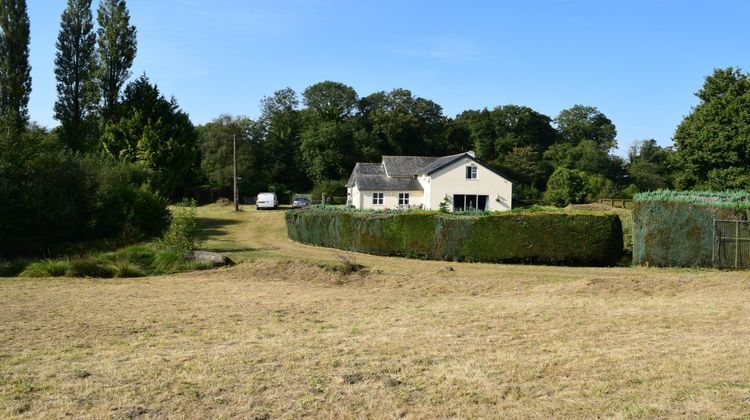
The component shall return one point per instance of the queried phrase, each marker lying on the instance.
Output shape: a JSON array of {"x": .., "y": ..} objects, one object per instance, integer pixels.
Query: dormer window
[{"x": 471, "y": 172}]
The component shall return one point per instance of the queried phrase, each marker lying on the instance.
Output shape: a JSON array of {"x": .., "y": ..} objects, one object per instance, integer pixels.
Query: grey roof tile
[{"x": 406, "y": 165}]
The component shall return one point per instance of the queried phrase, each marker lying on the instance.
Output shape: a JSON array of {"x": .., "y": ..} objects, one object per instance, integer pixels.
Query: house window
[
  {"x": 403, "y": 199},
  {"x": 471, "y": 172},
  {"x": 470, "y": 202},
  {"x": 377, "y": 199}
]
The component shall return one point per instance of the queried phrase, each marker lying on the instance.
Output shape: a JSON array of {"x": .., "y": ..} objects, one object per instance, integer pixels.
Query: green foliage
[
  {"x": 330, "y": 188},
  {"x": 712, "y": 142},
  {"x": 184, "y": 231},
  {"x": 445, "y": 205},
  {"x": 565, "y": 187},
  {"x": 116, "y": 52},
  {"x": 398, "y": 123},
  {"x": 15, "y": 71},
  {"x": 42, "y": 184},
  {"x": 540, "y": 237},
  {"x": 581, "y": 123},
  {"x": 598, "y": 186},
  {"x": 134, "y": 261},
  {"x": 215, "y": 142},
  {"x": 648, "y": 165},
  {"x": 153, "y": 132},
  {"x": 75, "y": 72},
  {"x": 330, "y": 101}
]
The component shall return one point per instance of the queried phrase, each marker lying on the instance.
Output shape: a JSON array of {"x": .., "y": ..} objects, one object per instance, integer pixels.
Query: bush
[
  {"x": 565, "y": 187},
  {"x": 50, "y": 196},
  {"x": 183, "y": 233},
  {"x": 129, "y": 213},
  {"x": 538, "y": 237},
  {"x": 330, "y": 188}
]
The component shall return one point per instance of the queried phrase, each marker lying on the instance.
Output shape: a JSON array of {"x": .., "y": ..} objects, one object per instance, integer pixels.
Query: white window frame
[
  {"x": 404, "y": 199},
  {"x": 378, "y": 199},
  {"x": 473, "y": 173}
]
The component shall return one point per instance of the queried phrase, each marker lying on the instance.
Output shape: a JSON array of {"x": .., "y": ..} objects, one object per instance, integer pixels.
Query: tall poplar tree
[
  {"x": 15, "y": 71},
  {"x": 117, "y": 49},
  {"x": 75, "y": 71}
]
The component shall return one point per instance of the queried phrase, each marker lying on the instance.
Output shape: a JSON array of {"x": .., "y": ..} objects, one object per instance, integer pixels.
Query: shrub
[
  {"x": 91, "y": 267},
  {"x": 183, "y": 233},
  {"x": 330, "y": 188},
  {"x": 540, "y": 237},
  {"x": 47, "y": 268},
  {"x": 565, "y": 187},
  {"x": 130, "y": 213}
]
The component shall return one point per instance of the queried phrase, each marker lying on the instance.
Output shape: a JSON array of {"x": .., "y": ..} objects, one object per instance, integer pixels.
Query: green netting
[
  {"x": 539, "y": 237},
  {"x": 676, "y": 229},
  {"x": 724, "y": 199}
]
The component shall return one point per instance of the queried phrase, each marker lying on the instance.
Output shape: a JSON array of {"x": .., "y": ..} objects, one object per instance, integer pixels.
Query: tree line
[{"x": 122, "y": 148}]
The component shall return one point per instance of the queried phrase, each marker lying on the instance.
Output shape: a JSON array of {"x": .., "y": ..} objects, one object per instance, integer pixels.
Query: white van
[{"x": 266, "y": 200}]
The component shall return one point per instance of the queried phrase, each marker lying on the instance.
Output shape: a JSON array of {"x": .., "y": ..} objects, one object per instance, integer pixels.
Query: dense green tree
[
  {"x": 586, "y": 138},
  {"x": 330, "y": 101},
  {"x": 75, "y": 71},
  {"x": 215, "y": 140},
  {"x": 402, "y": 124},
  {"x": 15, "y": 70},
  {"x": 713, "y": 142},
  {"x": 648, "y": 165},
  {"x": 280, "y": 125},
  {"x": 498, "y": 131},
  {"x": 327, "y": 141},
  {"x": 117, "y": 50},
  {"x": 327, "y": 150},
  {"x": 580, "y": 123},
  {"x": 153, "y": 132},
  {"x": 565, "y": 187}
]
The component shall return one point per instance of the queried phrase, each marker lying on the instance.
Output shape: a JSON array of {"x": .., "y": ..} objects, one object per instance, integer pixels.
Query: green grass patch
[{"x": 134, "y": 261}]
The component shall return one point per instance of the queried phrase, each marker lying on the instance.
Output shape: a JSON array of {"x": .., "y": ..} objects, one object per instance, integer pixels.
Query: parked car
[
  {"x": 300, "y": 202},
  {"x": 266, "y": 200}
]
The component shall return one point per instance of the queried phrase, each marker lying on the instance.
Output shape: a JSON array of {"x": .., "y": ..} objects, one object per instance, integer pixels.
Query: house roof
[
  {"x": 372, "y": 176},
  {"x": 401, "y": 172},
  {"x": 441, "y": 162},
  {"x": 396, "y": 166}
]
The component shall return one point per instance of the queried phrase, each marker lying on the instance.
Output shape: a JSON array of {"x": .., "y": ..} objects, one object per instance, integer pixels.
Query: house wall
[
  {"x": 354, "y": 196},
  {"x": 452, "y": 180},
  {"x": 390, "y": 199}
]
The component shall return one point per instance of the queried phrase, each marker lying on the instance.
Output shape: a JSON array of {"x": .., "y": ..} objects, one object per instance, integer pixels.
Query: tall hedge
[
  {"x": 542, "y": 237},
  {"x": 675, "y": 229}
]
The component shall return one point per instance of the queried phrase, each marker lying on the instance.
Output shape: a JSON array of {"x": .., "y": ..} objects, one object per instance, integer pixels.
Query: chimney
[{"x": 471, "y": 153}]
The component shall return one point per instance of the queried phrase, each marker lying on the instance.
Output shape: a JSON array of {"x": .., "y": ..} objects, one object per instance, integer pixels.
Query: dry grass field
[{"x": 283, "y": 334}]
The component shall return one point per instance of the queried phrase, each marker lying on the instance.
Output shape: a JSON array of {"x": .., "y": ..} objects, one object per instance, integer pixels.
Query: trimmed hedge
[
  {"x": 675, "y": 229},
  {"x": 535, "y": 237}
]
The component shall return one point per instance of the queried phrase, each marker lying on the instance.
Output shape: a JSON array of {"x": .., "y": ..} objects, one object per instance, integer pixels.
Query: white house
[{"x": 425, "y": 182}]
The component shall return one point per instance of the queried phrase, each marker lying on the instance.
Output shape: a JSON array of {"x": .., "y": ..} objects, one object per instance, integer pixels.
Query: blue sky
[{"x": 638, "y": 61}]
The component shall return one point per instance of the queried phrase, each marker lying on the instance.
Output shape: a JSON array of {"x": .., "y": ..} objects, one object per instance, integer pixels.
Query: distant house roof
[
  {"x": 396, "y": 166},
  {"x": 400, "y": 172},
  {"x": 372, "y": 176}
]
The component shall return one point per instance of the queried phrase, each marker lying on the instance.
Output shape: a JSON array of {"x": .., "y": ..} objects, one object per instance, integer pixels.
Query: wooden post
[
  {"x": 234, "y": 173},
  {"x": 716, "y": 245},
  {"x": 736, "y": 244}
]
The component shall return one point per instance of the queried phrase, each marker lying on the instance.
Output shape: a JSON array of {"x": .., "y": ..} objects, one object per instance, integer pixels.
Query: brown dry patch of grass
[{"x": 284, "y": 334}]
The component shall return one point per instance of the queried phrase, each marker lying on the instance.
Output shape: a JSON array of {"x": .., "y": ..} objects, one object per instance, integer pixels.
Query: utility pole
[{"x": 234, "y": 172}]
